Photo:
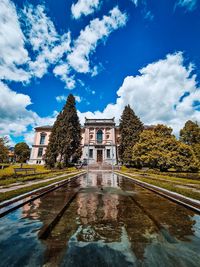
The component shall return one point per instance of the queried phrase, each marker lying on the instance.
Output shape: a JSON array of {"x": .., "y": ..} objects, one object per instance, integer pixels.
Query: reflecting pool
[{"x": 110, "y": 222}]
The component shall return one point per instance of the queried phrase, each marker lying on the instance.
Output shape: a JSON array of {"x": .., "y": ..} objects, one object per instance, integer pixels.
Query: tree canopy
[
  {"x": 65, "y": 139},
  {"x": 3, "y": 149},
  {"x": 22, "y": 152},
  {"x": 158, "y": 148},
  {"x": 130, "y": 128},
  {"x": 190, "y": 134}
]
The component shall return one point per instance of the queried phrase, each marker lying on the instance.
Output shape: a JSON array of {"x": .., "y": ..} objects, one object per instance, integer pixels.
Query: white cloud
[
  {"x": 48, "y": 46},
  {"x": 135, "y": 2},
  {"x": 88, "y": 39},
  {"x": 190, "y": 5},
  {"x": 13, "y": 55},
  {"x": 62, "y": 71},
  {"x": 78, "y": 98},
  {"x": 15, "y": 117},
  {"x": 84, "y": 7},
  {"x": 155, "y": 94},
  {"x": 63, "y": 98}
]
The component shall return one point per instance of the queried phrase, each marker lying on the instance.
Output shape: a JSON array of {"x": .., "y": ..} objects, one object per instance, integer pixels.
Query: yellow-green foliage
[
  {"x": 14, "y": 193},
  {"x": 158, "y": 148},
  {"x": 9, "y": 171},
  {"x": 170, "y": 183}
]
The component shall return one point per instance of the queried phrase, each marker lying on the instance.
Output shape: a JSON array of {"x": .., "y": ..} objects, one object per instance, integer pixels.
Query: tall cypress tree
[
  {"x": 70, "y": 133},
  {"x": 52, "y": 151},
  {"x": 65, "y": 139},
  {"x": 130, "y": 128}
]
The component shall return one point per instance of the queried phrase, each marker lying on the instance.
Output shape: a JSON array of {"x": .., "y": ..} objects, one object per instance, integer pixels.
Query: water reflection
[{"x": 112, "y": 222}]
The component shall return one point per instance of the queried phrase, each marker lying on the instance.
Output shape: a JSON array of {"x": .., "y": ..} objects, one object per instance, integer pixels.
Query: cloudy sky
[{"x": 108, "y": 53}]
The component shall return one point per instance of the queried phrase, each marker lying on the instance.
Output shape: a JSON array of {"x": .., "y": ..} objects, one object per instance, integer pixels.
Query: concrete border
[
  {"x": 6, "y": 206},
  {"x": 187, "y": 202}
]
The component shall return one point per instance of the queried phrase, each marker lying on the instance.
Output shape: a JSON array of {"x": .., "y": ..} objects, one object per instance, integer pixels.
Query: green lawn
[
  {"x": 186, "y": 187},
  {"x": 14, "y": 193},
  {"x": 9, "y": 171},
  {"x": 7, "y": 176}
]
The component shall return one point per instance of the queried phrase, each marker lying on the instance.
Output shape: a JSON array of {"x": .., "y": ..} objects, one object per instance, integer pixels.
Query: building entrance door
[{"x": 99, "y": 155}]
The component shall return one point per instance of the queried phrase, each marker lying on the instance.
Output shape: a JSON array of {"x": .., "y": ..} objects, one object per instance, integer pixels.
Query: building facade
[{"x": 100, "y": 140}]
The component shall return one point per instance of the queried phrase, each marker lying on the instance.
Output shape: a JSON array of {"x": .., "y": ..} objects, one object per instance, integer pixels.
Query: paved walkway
[{"x": 4, "y": 189}]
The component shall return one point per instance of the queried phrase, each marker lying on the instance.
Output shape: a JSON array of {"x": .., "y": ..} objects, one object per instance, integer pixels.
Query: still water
[{"x": 110, "y": 222}]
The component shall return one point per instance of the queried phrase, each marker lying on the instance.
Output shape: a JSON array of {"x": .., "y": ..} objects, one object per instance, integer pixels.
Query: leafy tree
[
  {"x": 130, "y": 128},
  {"x": 158, "y": 148},
  {"x": 22, "y": 152},
  {"x": 3, "y": 149},
  {"x": 190, "y": 135},
  {"x": 65, "y": 139},
  {"x": 70, "y": 133}
]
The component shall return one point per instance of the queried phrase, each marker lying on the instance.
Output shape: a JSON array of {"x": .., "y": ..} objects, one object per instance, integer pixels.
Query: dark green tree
[
  {"x": 22, "y": 152},
  {"x": 130, "y": 129},
  {"x": 190, "y": 135},
  {"x": 52, "y": 151},
  {"x": 70, "y": 133},
  {"x": 65, "y": 139},
  {"x": 3, "y": 149},
  {"x": 158, "y": 148}
]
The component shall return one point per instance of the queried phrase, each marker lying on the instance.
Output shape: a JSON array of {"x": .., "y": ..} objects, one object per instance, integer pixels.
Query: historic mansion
[{"x": 100, "y": 140}]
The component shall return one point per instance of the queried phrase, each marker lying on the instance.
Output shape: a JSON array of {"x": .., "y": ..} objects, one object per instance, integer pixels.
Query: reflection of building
[
  {"x": 100, "y": 138},
  {"x": 95, "y": 207}
]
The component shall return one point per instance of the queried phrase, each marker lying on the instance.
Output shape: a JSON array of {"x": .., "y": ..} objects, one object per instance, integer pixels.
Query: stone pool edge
[{"x": 34, "y": 194}]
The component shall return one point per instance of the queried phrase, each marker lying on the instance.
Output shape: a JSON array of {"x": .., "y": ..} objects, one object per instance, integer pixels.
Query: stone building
[{"x": 100, "y": 139}]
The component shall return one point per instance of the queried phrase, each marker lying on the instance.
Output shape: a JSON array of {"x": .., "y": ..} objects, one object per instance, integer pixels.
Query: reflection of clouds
[{"x": 196, "y": 226}]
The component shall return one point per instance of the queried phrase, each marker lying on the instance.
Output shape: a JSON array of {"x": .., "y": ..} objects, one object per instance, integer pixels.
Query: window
[
  {"x": 90, "y": 153},
  {"x": 40, "y": 152},
  {"x": 108, "y": 153},
  {"x": 107, "y": 136},
  {"x": 99, "y": 136},
  {"x": 42, "y": 139}
]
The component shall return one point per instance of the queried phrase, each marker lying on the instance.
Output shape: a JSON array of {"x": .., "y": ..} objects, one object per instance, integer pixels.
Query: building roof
[
  {"x": 44, "y": 127},
  {"x": 99, "y": 121}
]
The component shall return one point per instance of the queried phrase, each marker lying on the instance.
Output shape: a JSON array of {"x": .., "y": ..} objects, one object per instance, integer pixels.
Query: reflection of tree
[
  {"x": 105, "y": 205},
  {"x": 148, "y": 213}
]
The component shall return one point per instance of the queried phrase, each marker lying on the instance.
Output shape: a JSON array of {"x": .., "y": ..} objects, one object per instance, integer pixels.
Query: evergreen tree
[
  {"x": 190, "y": 135},
  {"x": 3, "y": 149},
  {"x": 70, "y": 133},
  {"x": 158, "y": 148},
  {"x": 130, "y": 128},
  {"x": 22, "y": 152},
  {"x": 52, "y": 151},
  {"x": 65, "y": 139}
]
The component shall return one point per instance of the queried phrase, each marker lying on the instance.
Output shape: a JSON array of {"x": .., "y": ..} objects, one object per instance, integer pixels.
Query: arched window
[{"x": 99, "y": 136}]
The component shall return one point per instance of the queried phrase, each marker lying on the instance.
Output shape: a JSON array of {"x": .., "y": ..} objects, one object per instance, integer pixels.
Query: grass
[
  {"x": 168, "y": 182},
  {"x": 8, "y": 178},
  {"x": 14, "y": 193},
  {"x": 9, "y": 171}
]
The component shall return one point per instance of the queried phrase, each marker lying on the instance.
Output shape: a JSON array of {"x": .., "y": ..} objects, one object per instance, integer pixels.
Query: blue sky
[{"x": 108, "y": 53}]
